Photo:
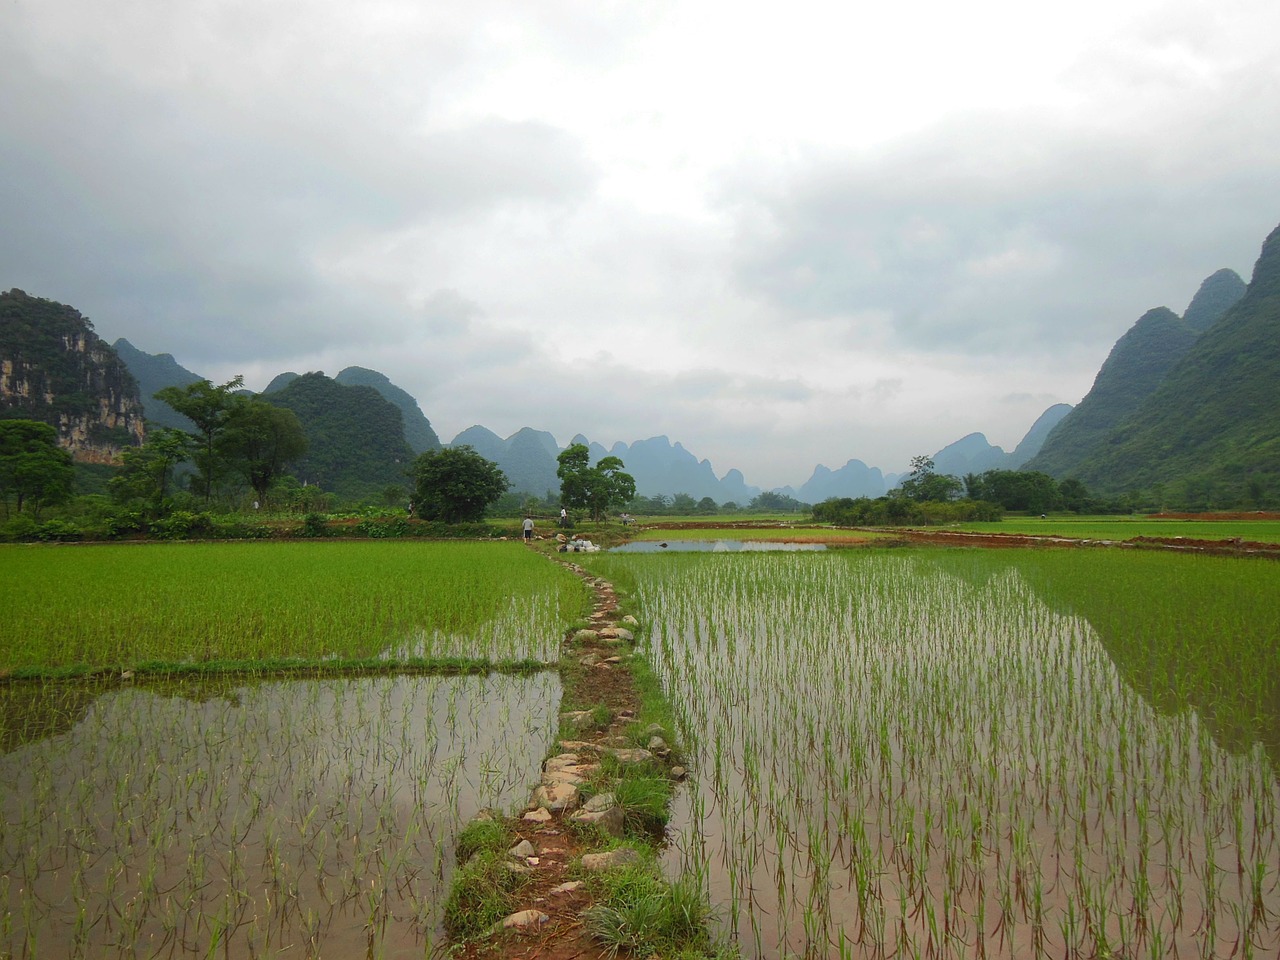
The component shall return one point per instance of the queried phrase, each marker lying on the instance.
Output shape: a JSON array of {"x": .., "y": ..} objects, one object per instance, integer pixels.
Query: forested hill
[
  {"x": 417, "y": 428},
  {"x": 356, "y": 438},
  {"x": 1134, "y": 369},
  {"x": 1212, "y": 427},
  {"x": 54, "y": 368}
]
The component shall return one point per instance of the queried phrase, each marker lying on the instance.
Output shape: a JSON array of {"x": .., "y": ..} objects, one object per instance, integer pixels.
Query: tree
[
  {"x": 770, "y": 501},
  {"x": 682, "y": 503},
  {"x": 923, "y": 485},
  {"x": 259, "y": 440},
  {"x": 148, "y": 470},
  {"x": 597, "y": 488},
  {"x": 34, "y": 470},
  {"x": 456, "y": 484},
  {"x": 209, "y": 408}
]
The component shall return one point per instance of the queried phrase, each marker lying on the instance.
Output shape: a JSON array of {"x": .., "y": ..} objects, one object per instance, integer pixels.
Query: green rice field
[
  {"x": 126, "y": 605},
  {"x": 184, "y": 810},
  {"x": 957, "y": 753},
  {"x": 1126, "y": 528}
]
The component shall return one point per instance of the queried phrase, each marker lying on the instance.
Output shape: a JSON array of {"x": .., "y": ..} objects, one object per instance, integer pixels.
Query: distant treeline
[{"x": 934, "y": 499}]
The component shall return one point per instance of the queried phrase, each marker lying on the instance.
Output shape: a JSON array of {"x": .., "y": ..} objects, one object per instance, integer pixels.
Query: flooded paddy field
[
  {"x": 971, "y": 753},
  {"x": 262, "y": 750},
  {"x": 296, "y": 818}
]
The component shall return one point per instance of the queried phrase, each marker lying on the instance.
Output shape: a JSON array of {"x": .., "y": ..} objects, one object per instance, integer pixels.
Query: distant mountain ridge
[
  {"x": 1188, "y": 403},
  {"x": 528, "y": 458},
  {"x": 154, "y": 372}
]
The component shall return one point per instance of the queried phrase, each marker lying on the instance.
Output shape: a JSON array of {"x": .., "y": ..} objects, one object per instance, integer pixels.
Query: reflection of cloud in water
[
  {"x": 311, "y": 808},
  {"x": 715, "y": 546}
]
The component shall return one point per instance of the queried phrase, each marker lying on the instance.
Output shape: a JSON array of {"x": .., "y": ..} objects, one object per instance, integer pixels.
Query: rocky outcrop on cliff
[{"x": 55, "y": 369}]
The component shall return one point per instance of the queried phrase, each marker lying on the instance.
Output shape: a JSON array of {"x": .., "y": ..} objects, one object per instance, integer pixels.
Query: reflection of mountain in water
[{"x": 1185, "y": 633}]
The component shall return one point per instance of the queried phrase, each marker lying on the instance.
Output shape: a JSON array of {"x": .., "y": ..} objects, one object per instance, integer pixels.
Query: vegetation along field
[
  {"x": 153, "y": 809},
  {"x": 932, "y": 753}
]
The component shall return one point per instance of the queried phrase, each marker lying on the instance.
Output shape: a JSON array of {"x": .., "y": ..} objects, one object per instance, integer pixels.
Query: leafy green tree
[
  {"x": 455, "y": 484},
  {"x": 770, "y": 501},
  {"x": 259, "y": 440},
  {"x": 923, "y": 485},
  {"x": 596, "y": 489},
  {"x": 148, "y": 470},
  {"x": 1027, "y": 490},
  {"x": 210, "y": 408},
  {"x": 707, "y": 505},
  {"x": 684, "y": 504},
  {"x": 34, "y": 471}
]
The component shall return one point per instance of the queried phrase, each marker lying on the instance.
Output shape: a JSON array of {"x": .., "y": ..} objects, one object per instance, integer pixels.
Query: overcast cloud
[{"x": 782, "y": 235}]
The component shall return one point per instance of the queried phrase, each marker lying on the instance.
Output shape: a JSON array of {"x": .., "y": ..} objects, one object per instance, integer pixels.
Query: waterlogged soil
[{"x": 307, "y": 818}]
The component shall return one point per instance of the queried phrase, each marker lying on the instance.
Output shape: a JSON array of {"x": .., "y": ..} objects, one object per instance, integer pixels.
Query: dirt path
[{"x": 562, "y": 936}]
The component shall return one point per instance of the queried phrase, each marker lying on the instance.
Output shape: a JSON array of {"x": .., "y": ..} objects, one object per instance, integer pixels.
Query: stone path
[{"x": 595, "y": 674}]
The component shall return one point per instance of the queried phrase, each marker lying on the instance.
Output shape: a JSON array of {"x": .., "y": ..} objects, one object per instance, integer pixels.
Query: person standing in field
[
  {"x": 564, "y": 517},
  {"x": 528, "y": 528}
]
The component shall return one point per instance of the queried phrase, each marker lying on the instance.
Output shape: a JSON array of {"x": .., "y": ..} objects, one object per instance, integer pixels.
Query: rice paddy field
[
  {"x": 254, "y": 602},
  {"x": 188, "y": 797},
  {"x": 953, "y": 753},
  {"x": 1126, "y": 528}
]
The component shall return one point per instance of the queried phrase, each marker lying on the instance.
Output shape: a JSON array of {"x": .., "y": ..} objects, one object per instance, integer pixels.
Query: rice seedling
[
  {"x": 247, "y": 604},
  {"x": 197, "y": 796},
  {"x": 963, "y": 753},
  {"x": 314, "y": 817}
]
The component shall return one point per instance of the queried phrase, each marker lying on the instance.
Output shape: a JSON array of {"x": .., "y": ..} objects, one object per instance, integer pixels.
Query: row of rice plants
[
  {"x": 298, "y": 818},
  {"x": 1126, "y": 528},
  {"x": 124, "y": 605},
  {"x": 938, "y": 755}
]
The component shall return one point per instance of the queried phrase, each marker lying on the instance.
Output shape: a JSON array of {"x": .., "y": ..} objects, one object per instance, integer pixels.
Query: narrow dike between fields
[{"x": 575, "y": 875}]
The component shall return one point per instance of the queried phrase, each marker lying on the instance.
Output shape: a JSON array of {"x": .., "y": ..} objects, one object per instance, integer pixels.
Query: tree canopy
[
  {"x": 923, "y": 485},
  {"x": 596, "y": 489},
  {"x": 455, "y": 484},
  {"x": 260, "y": 440},
  {"x": 34, "y": 471},
  {"x": 210, "y": 408}
]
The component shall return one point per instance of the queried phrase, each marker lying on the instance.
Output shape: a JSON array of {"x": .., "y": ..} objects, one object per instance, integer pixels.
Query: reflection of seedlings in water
[
  {"x": 318, "y": 813},
  {"x": 898, "y": 755}
]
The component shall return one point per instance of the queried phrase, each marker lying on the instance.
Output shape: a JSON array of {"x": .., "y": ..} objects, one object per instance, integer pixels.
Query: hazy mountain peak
[{"x": 1217, "y": 294}]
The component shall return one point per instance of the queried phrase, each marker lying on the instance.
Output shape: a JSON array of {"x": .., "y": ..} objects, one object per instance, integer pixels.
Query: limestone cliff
[{"x": 55, "y": 369}]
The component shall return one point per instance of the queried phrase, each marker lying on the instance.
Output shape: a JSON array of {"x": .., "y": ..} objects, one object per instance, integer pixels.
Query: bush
[
  {"x": 18, "y": 529},
  {"x": 314, "y": 525},
  {"x": 181, "y": 525},
  {"x": 58, "y": 531},
  {"x": 383, "y": 528}
]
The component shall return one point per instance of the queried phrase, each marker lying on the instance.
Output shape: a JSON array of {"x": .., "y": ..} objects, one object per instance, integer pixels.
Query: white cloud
[{"x": 781, "y": 236}]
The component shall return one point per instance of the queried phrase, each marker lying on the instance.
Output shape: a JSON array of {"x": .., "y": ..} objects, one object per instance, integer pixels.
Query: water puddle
[{"x": 714, "y": 546}]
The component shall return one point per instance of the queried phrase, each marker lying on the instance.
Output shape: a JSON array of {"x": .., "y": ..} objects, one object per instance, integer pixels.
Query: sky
[{"x": 780, "y": 234}]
